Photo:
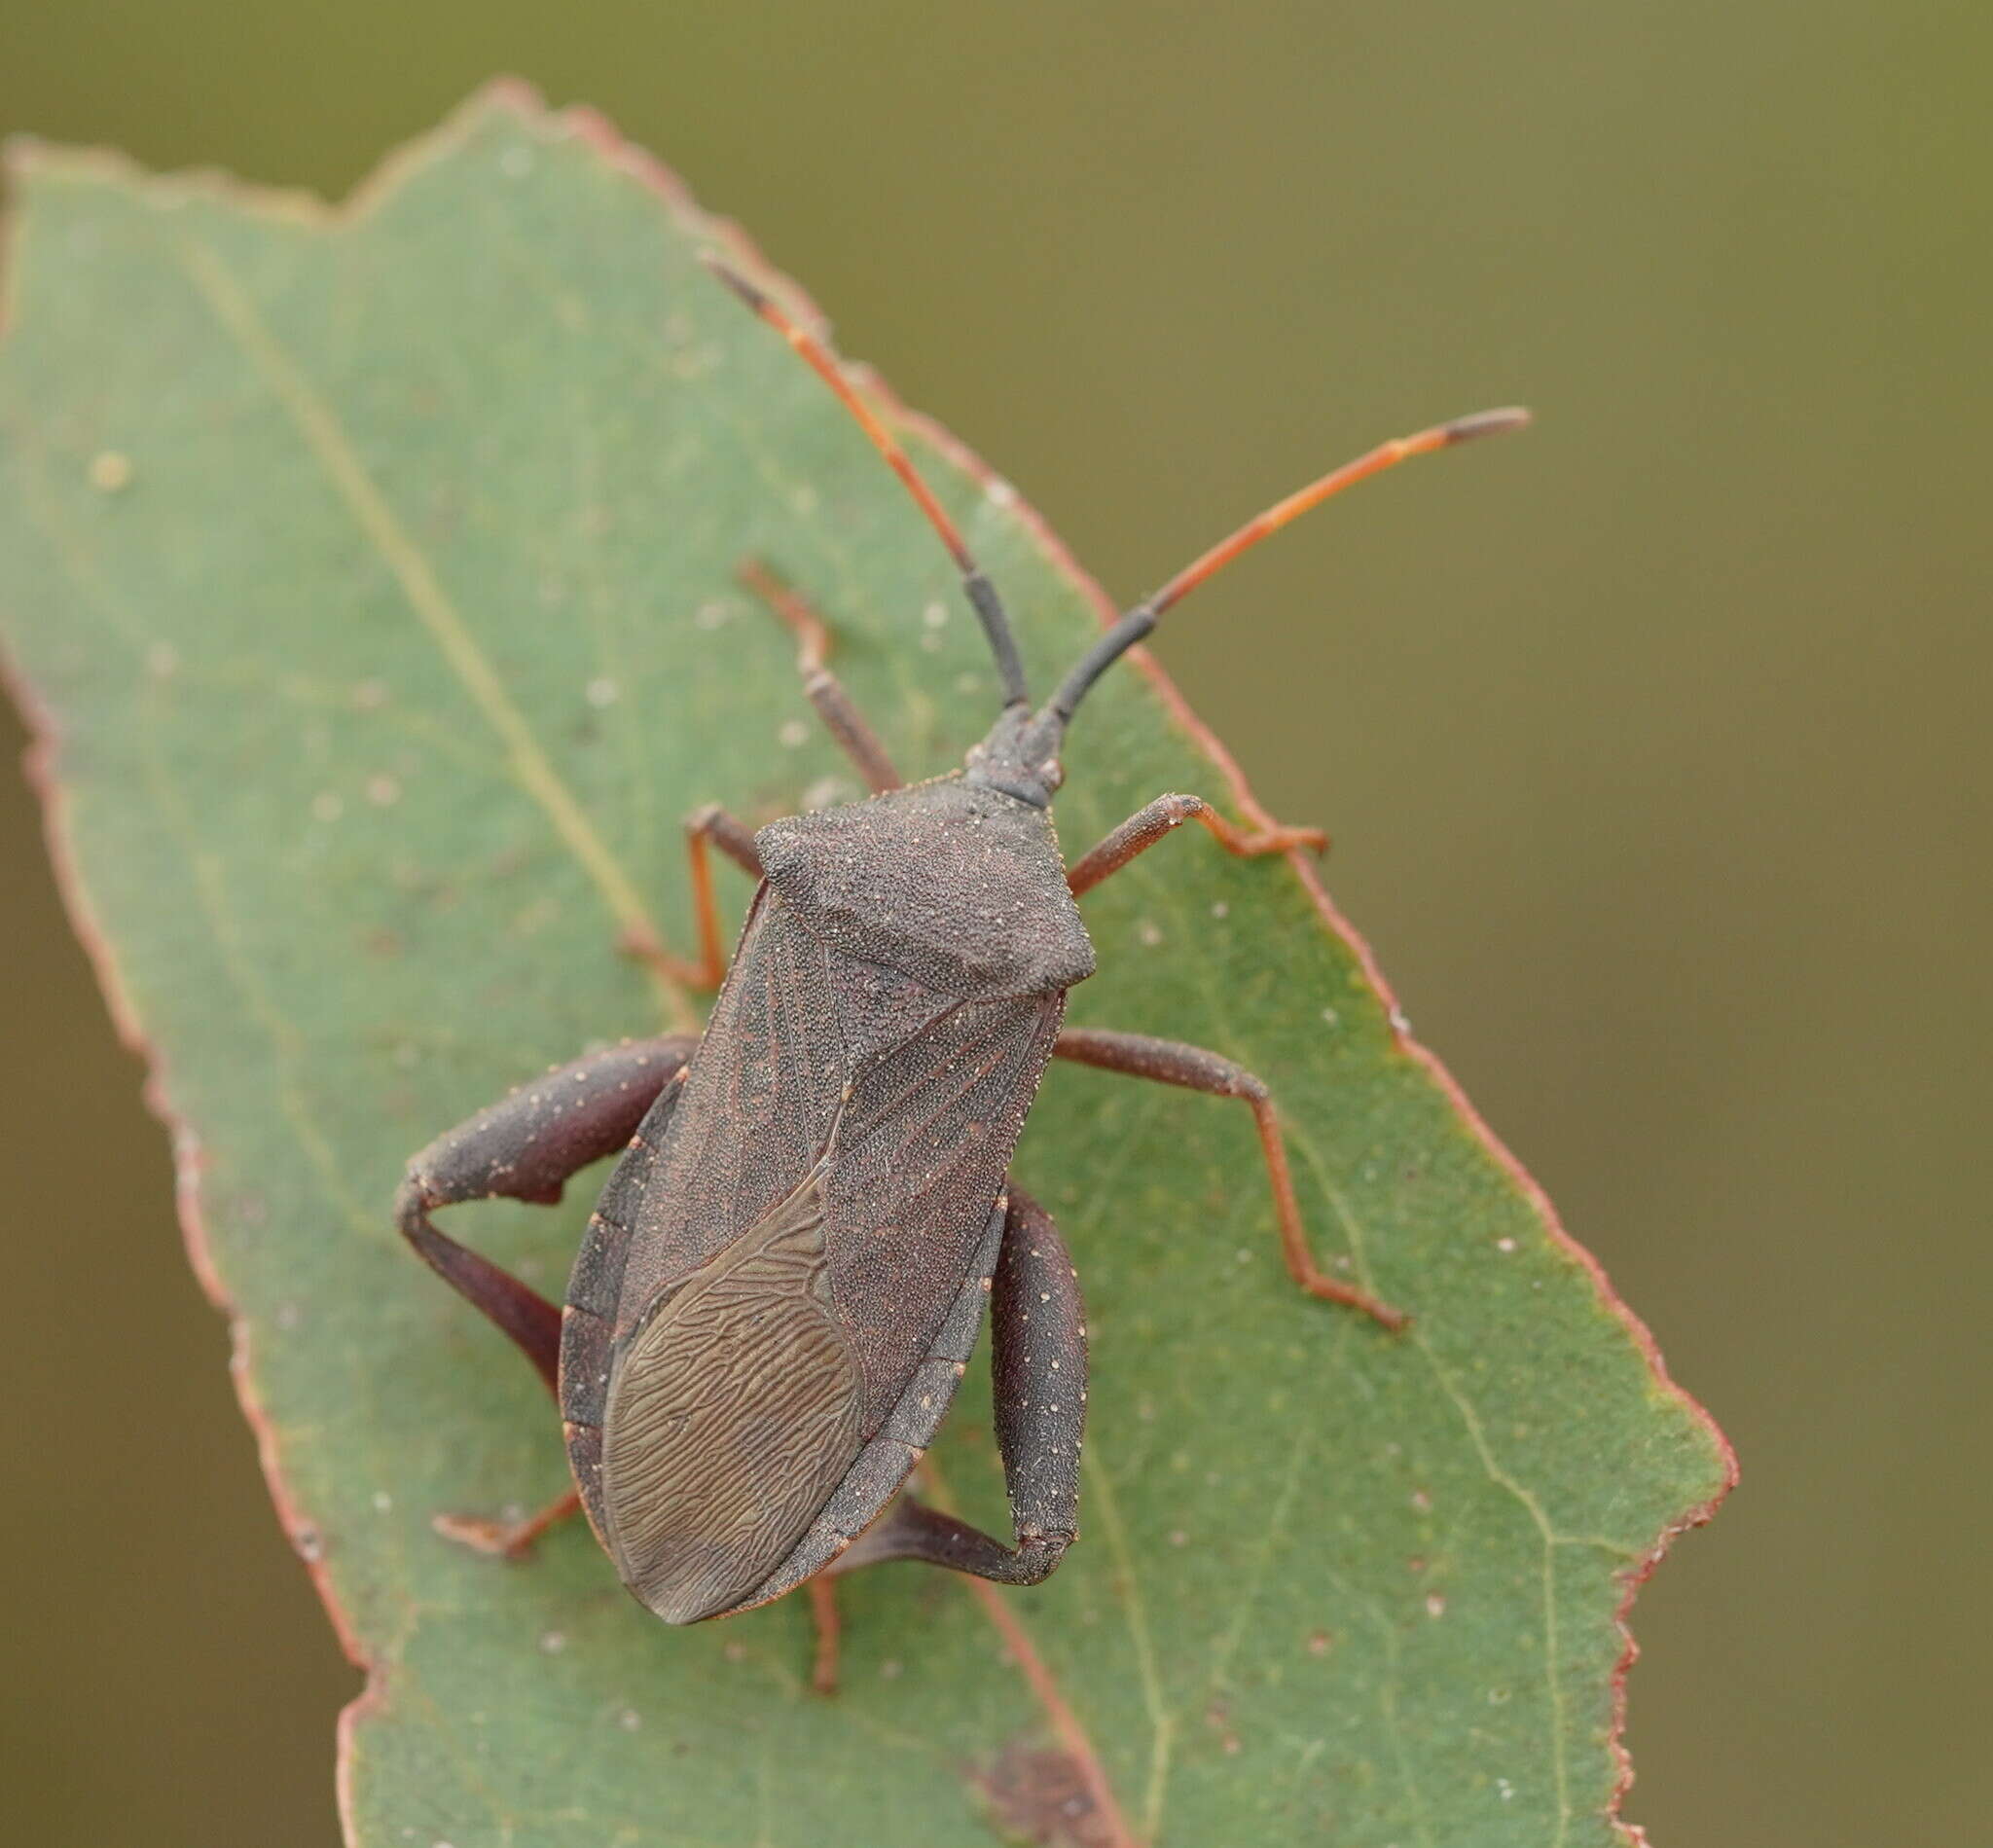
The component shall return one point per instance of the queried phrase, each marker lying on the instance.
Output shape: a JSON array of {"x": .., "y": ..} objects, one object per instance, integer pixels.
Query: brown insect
[{"x": 788, "y": 1267}]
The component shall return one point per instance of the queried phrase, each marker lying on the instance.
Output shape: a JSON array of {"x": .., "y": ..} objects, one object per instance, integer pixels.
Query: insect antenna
[
  {"x": 978, "y": 589},
  {"x": 1139, "y": 621}
]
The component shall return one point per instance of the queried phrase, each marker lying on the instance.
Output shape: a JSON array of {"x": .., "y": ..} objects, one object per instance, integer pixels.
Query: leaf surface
[{"x": 371, "y": 578}]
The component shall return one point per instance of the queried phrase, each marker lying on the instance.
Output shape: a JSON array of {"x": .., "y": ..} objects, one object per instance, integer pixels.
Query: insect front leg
[
  {"x": 1038, "y": 1384},
  {"x": 526, "y": 1147},
  {"x": 1170, "y": 1062},
  {"x": 823, "y": 689},
  {"x": 1163, "y": 816},
  {"x": 736, "y": 840}
]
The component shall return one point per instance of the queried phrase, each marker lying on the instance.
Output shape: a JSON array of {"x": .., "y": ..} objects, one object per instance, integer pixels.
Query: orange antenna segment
[
  {"x": 1139, "y": 621},
  {"x": 1373, "y": 462},
  {"x": 827, "y": 369}
]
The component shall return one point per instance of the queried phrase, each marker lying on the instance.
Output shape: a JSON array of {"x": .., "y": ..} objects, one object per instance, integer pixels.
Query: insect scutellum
[{"x": 1020, "y": 753}]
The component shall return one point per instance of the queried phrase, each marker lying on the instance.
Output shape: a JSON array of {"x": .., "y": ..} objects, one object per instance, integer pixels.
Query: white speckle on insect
[
  {"x": 1149, "y": 933},
  {"x": 1435, "y": 1605},
  {"x": 554, "y": 1641},
  {"x": 1504, "y": 1245},
  {"x": 1177, "y": 1537},
  {"x": 110, "y": 470},
  {"x": 1221, "y": 909},
  {"x": 1331, "y": 1017},
  {"x": 163, "y": 659},
  {"x": 309, "y": 1547},
  {"x": 1002, "y": 493},
  {"x": 382, "y": 792},
  {"x": 934, "y": 615},
  {"x": 602, "y": 691},
  {"x": 516, "y": 161},
  {"x": 794, "y": 733},
  {"x": 326, "y": 806},
  {"x": 1422, "y": 1500},
  {"x": 1400, "y": 1021},
  {"x": 383, "y": 1502},
  {"x": 1503, "y": 1789},
  {"x": 630, "y": 1719},
  {"x": 711, "y": 615}
]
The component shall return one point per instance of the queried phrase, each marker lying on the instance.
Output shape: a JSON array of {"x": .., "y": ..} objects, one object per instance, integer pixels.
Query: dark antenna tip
[{"x": 1513, "y": 417}]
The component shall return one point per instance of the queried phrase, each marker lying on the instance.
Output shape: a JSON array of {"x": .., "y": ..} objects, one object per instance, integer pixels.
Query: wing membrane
[{"x": 733, "y": 1413}]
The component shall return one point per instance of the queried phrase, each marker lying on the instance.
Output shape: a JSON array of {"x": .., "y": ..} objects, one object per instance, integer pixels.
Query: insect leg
[
  {"x": 526, "y": 1147},
  {"x": 829, "y": 1627},
  {"x": 1150, "y": 823},
  {"x": 736, "y": 840},
  {"x": 507, "y": 1539},
  {"x": 823, "y": 688},
  {"x": 1170, "y": 1062},
  {"x": 1039, "y": 1387}
]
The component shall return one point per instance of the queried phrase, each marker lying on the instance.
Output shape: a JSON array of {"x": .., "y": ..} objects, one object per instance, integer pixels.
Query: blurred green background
[{"x": 1654, "y": 743}]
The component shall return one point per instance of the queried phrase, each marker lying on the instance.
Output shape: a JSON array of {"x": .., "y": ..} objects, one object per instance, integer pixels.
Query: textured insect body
[
  {"x": 801, "y": 1217},
  {"x": 812, "y": 1212}
]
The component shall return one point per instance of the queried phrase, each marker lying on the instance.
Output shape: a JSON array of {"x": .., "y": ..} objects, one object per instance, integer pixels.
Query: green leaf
[{"x": 371, "y": 577}]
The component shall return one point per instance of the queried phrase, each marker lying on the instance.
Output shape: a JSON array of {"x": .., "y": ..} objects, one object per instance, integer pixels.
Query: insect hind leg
[{"x": 1038, "y": 1382}]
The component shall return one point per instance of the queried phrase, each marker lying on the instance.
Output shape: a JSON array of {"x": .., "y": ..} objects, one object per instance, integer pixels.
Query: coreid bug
[{"x": 776, "y": 1297}]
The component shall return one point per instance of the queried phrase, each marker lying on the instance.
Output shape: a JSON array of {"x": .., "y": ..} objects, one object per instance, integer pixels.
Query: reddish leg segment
[
  {"x": 1170, "y": 1062},
  {"x": 736, "y": 840},
  {"x": 1167, "y": 813},
  {"x": 823, "y": 688},
  {"x": 829, "y": 1627},
  {"x": 507, "y": 1539}
]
